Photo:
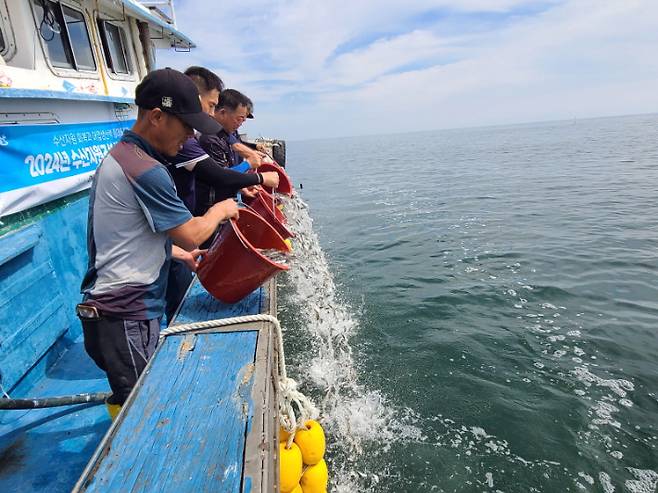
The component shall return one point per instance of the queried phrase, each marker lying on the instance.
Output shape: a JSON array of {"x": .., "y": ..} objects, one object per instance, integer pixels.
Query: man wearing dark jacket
[
  {"x": 231, "y": 112},
  {"x": 193, "y": 168}
]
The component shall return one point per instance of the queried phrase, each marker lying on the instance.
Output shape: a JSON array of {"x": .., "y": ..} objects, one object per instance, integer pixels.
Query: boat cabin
[{"x": 68, "y": 72}]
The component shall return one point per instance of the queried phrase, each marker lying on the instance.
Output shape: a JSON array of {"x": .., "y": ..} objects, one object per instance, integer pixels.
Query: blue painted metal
[
  {"x": 42, "y": 354},
  {"x": 185, "y": 429},
  {"x": 15, "y": 92}
]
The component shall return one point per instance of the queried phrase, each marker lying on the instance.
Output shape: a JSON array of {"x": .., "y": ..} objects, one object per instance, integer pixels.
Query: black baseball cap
[{"x": 175, "y": 93}]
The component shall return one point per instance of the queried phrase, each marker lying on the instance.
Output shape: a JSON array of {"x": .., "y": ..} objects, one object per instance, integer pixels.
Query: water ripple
[{"x": 507, "y": 304}]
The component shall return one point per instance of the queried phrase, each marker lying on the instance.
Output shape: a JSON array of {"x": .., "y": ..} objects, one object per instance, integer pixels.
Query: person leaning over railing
[
  {"x": 237, "y": 157},
  {"x": 231, "y": 112},
  {"x": 193, "y": 164},
  {"x": 135, "y": 218},
  {"x": 193, "y": 167}
]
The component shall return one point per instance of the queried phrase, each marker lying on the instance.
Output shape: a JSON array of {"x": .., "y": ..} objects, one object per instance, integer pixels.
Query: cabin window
[
  {"x": 7, "y": 41},
  {"x": 115, "y": 48},
  {"x": 65, "y": 35},
  {"x": 5, "y": 32}
]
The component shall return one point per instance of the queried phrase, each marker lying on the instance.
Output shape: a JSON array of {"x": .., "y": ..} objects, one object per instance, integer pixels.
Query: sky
[{"x": 323, "y": 68}]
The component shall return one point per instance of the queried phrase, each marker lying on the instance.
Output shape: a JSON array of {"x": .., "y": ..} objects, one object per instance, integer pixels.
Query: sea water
[{"x": 477, "y": 309}]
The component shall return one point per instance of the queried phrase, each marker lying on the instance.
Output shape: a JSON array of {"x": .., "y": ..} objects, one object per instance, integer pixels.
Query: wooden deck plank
[
  {"x": 199, "y": 305},
  {"x": 186, "y": 425}
]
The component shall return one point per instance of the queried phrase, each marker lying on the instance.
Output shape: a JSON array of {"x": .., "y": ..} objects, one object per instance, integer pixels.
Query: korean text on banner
[{"x": 43, "y": 162}]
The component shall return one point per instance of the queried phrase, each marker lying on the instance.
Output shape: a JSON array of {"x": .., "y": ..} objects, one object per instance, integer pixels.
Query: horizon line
[{"x": 473, "y": 127}]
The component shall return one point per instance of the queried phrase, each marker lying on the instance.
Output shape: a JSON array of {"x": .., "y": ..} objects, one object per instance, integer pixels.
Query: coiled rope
[{"x": 294, "y": 407}]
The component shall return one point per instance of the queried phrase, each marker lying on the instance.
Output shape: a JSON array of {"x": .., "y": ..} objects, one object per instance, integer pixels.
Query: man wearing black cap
[{"x": 134, "y": 218}]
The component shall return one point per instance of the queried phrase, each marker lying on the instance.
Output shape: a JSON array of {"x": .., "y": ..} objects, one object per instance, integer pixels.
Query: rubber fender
[
  {"x": 290, "y": 467},
  {"x": 279, "y": 152},
  {"x": 315, "y": 478},
  {"x": 311, "y": 442}
]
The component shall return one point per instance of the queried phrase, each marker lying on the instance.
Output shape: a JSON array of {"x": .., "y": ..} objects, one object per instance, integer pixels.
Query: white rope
[{"x": 294, "y": 407}]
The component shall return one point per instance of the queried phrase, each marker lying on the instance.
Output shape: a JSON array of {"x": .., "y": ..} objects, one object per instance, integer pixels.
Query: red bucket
[
  {"x": 270, "y": 200},
  {"x": 274, "y": 203},
  {"x": 285, "y": 185},
  {"x": 233, "y": 267},
  {"x": 264, "y": 205}
]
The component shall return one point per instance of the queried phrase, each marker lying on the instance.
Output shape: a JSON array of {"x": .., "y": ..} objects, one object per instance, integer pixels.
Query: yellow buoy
[
  {"x": 311, "y": 442},
  {"x": 290, "y": 467},
  {"x": 283, "y": 435},
  {"x": 315, "y": 478},
  {"x": 288, "y": 242}
]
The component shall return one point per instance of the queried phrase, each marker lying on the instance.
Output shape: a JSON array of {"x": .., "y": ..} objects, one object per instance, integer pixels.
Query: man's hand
[
  {"x": 270, "y": 179},
  {"x": 265, "y": 158},
  {"x": 191, "y": 259},
  {"x": 194, "y": 232},
  {"x": 254, "y": 160},
  {"x": 250, "y": 192},
  {"x": 229, "y": 209}
]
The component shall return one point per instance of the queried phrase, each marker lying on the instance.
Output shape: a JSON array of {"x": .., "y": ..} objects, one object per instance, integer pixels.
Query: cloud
[{"x": 319, "y": 69}]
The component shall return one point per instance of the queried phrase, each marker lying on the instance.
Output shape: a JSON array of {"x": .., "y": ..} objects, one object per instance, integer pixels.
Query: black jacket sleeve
[{"x": 219, "y": 177}]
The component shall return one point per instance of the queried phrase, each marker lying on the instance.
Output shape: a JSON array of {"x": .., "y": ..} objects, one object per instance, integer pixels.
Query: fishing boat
[{"x": 203, "y": 416}]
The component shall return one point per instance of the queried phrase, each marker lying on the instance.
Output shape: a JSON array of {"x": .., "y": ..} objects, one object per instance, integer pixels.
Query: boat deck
[
  {"x": 47, "y": 449},
  {"x": 187, "y": 415},
  {"x": 42, "y": 354},
  {"x": 203, "y": 415}
]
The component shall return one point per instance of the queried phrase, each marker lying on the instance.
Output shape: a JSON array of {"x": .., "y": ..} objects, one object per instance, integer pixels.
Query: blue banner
[{"x": 43, "y": 162}]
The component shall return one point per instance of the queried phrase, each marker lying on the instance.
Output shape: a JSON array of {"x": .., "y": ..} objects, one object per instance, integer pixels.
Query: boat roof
[{"x": 168, "y": 30}]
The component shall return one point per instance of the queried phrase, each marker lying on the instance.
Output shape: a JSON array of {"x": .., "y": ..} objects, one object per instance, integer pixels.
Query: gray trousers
[{"x": 121, "y": 348}]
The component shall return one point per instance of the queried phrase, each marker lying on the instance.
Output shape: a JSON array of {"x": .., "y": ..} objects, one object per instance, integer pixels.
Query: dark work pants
[
  {"x": 180, "y": 277},
  {"x": 121, "y": 348}
]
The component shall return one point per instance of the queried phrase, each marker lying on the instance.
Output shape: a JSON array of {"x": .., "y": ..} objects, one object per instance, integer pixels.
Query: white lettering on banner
[
  {"x": 60, "y": 161},
  {"x": 77, "y": 138},
  {"x": 46, "y": 162}
]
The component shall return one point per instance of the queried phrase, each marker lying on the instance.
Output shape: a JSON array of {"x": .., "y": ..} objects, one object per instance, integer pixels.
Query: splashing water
[
  {"x": 355, "y": 418},
  {"x": 362, "y": 425},
  {"x": 508, "y": 299},
  {"x": 275, "y": 256}
]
